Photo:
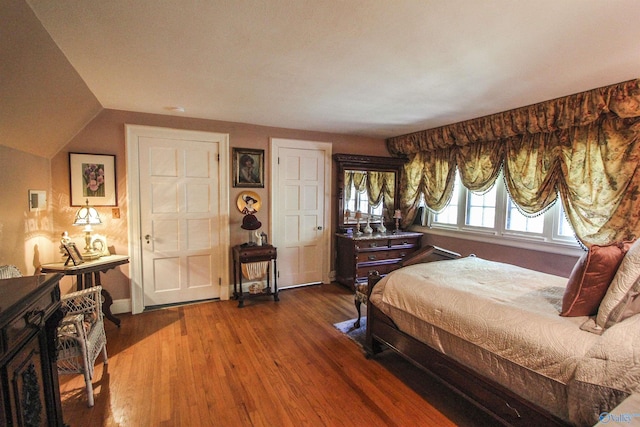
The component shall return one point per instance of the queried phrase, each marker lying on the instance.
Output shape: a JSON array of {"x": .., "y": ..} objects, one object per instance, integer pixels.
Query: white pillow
[{"x": 621, "y": 288}]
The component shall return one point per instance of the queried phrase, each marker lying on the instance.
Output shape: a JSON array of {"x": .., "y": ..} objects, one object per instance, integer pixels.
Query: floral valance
[
  {"x": 581, "y": 109},
  {"x": 584, "y": 147}
]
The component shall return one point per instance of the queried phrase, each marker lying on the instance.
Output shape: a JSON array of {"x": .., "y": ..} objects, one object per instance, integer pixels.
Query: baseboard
[{"x": 121, "y": 306}]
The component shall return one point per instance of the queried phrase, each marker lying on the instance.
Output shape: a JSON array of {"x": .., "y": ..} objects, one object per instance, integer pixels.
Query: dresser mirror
[{"x": 368, "y": 191}]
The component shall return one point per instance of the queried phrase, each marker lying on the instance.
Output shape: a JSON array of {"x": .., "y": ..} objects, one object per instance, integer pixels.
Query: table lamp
[
  {"x": 88, "y": 216},
  {"x": 397, "y": 215}
]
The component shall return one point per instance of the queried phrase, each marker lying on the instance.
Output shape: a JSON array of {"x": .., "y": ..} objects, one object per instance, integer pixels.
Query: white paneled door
[
  {"x": 182, "y": 230},
  {"x": 300, "y": 211}
]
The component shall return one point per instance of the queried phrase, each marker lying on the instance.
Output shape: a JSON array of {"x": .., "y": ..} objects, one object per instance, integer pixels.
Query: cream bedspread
[{"x": 503, "y": 321}]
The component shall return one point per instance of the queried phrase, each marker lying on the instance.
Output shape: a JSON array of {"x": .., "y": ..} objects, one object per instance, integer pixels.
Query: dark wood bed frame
[{"x": 502, "y": 404}]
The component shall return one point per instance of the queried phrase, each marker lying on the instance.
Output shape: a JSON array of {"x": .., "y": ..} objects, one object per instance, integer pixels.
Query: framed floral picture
[
  {"x": 248, "y": 168},
  {"x": 93, "y": 179}
]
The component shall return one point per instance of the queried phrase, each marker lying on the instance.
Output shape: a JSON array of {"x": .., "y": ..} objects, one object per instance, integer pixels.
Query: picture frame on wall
[
  {"x": 248, "y": 168},
  {"x": 93, "y": 179}
]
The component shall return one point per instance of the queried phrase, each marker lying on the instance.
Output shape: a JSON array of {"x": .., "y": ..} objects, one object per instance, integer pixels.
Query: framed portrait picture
[
  {"x": 73, "y": 253},
  {"x": 93, "y": 178},
  {"x": 248, "y": 168}
]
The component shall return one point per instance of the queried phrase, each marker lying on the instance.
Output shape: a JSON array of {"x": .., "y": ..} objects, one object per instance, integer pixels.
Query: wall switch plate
[{"x": 37, "y": 200}]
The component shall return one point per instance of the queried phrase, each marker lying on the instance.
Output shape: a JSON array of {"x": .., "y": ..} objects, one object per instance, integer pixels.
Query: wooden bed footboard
[{"x": 505, "y": 406}]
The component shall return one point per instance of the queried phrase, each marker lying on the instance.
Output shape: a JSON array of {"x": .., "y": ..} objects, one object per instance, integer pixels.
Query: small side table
[
  {"x": 244, "y": 254},
  {"x": 88, "y": 275}
]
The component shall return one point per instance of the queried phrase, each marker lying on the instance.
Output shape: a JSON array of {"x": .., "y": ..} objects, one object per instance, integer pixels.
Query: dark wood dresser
[
  {"x": 383, "y": 252},
  {"x": 29, "y": 314}
]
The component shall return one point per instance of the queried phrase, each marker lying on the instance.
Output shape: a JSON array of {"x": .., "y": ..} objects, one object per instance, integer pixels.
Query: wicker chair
[
  {"x": 9, "y": 272},
  {"x": 81, "y": 335}
]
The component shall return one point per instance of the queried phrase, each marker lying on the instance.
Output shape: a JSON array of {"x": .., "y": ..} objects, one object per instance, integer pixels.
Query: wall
[
  {"x": 106, "y": 135},
  {"x": 560, "y": 265},
  {"x": 25, "y": 237},
  {"x": 29, "y": 239}
]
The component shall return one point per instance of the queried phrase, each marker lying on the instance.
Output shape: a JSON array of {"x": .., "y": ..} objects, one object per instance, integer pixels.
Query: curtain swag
[
  {"x": 583, "y": 147},
  {"x": 378, "y": 186}
]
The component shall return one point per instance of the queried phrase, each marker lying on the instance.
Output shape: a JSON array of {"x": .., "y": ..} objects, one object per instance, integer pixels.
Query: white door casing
[
  {"x": 179, "y": 198},
  {"x": 301, "y": 203}
]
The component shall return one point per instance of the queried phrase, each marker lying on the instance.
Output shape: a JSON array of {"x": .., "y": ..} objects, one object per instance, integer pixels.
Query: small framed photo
[
  {"x": 74, "y": 254},
  {"x": 92, "y": 178},
  {"x": 248, "y": 168}
]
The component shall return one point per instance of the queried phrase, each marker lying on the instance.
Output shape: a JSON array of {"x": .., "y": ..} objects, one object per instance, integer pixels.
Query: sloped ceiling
[
  {"x": 43, "y": 100},
  {"x": 375, "y": 68}
]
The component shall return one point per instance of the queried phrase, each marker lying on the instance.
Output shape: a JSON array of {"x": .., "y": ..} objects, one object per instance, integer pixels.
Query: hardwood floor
[{"x": 267, "y": 364}]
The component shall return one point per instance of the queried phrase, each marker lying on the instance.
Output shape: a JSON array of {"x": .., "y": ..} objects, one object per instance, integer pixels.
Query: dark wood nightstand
[{"x": 245, "y": 254}]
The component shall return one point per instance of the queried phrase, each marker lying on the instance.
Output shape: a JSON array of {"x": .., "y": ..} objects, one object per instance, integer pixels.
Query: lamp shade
[{"x": 87, "y": 215}]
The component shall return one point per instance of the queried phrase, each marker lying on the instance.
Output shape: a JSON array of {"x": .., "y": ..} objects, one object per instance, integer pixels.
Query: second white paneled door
[{"x": 300, "y": 210}]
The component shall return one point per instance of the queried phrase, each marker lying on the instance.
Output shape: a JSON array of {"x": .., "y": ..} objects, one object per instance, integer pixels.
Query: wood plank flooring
[{"x": 267, "y": 364}]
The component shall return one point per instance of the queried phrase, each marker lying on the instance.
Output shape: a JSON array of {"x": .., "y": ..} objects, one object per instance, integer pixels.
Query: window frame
[{"x": 547, "y": 241}]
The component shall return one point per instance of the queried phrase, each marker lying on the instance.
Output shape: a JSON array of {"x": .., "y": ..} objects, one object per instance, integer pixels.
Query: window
[
  {"x": 516, "y": 221},
  {"x": 564, "y": 227},
  {"x": 361, "y": 203},
  {"x": 481, "y": 209},
  {"x": 495, "y": 214},
  {"x": 449, "y": 215}
]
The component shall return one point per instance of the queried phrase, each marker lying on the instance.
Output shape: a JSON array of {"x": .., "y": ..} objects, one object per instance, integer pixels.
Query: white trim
[
  {"x": 505, "y": 240},
  {"x": 275, "y": 145},
  {"x": 548, "y": 241},
  {"x": 120, "y": 306},
  {"x": 132, "y": 133}
]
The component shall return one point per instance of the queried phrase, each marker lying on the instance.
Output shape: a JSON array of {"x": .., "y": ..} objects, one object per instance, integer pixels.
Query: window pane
[
  {"x": 481, "y": 209},
  {"x": 564, "y": 228},
  {"x": 518, "y": 222},
  {"x": 450, "y": 214},
  {"x": 363, "y": 202},
  {"x": 351, "y": 204}
]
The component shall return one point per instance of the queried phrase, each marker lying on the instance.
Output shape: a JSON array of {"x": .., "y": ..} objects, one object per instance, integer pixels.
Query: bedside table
[{"x": 249, "y": 254}]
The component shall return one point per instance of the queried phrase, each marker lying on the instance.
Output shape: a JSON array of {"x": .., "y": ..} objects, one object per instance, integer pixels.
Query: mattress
[{"x": 503, "y": 322}]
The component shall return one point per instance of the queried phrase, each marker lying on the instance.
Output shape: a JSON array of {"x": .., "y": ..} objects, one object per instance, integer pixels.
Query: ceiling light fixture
[{"x": 176, "y": 109}]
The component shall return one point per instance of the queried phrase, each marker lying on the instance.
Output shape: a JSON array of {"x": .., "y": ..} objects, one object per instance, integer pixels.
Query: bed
[{"x": 492, "y": 332}]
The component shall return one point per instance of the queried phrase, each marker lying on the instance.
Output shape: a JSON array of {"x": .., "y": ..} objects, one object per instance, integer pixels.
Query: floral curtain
[
  {"x": 378, "y": 185},
  {"x": 583, "y": 146},
  {"x": 354, "y": 179},
  {"x": 428, "y": 174},
  {"x": 381, "y": 186},
  {"x": 531, "y": 171},
  {"x": 600, "y": 180}
]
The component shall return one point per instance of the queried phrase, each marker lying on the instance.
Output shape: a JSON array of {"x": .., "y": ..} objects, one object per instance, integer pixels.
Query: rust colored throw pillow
[{"x": 590, "y": 279}]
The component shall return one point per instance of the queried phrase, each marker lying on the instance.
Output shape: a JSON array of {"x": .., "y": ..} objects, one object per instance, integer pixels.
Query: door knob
[
  {"x": 319, "y": 227},
  {"x": 147, "y": 238}
]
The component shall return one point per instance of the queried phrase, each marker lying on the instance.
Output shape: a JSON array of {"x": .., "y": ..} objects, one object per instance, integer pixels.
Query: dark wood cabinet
[
  {"x": 359, "y": 254},
  {"x": 29, "y": 315}
]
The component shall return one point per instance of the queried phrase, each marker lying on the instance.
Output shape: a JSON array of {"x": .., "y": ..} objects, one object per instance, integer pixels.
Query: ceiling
[{"x": 376, "y": 68}]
